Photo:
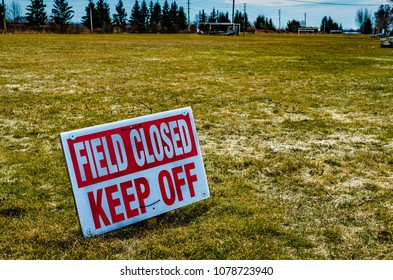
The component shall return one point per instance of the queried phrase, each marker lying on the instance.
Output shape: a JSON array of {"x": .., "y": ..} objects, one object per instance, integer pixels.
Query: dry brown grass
[{"x": 295, "y": 132}]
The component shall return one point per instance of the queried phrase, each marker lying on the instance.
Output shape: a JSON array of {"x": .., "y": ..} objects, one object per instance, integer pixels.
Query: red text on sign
[
  {"x": 128, "y": 199},
  {"x": 106, "y": 155}
]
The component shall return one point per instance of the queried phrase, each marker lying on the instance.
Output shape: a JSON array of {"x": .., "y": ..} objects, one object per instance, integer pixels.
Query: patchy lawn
[{"x": 295, "y": 131}]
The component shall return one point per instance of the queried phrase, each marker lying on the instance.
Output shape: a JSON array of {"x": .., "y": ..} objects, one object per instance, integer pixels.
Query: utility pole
[
  {"x": 233, "y": 12},
  {"x": 244, "y": 20},
  {"x": 305, "y": 19},
  {"x": 233, "y": 17},
  {"x": 279, "y": 19},
  {"x": 188, "y": 16},
  {"x": 91, "y": 16},
  {"x": 188, "y": 11},
  {"x": 4, "y": 19}
]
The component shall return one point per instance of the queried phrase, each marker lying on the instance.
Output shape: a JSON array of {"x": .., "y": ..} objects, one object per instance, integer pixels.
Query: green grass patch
[{"x": 295, "y": 133}]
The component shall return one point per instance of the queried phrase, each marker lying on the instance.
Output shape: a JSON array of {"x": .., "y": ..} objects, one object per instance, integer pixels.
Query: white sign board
[{"x": 128, "y": 171}]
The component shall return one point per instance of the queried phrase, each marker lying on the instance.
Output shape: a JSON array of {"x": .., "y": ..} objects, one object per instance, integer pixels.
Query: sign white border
[{"x": 188, "y": 175}]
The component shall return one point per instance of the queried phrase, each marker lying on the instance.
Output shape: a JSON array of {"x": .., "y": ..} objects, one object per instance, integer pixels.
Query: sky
[{"x": 280, "y": 11}]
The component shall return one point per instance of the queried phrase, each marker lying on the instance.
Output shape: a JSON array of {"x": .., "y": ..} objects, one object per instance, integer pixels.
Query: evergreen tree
[
  {"x": 151, "y": 8},
  {"x": 173, "y": 17},
  {"x": 165, "y": 19},
  {"x": 271, "y": 25},
  {"x": 202, "y": 16},
  {"x": 156, "y": 14},
  {"x": 2, "y": 12},
  {"x": 223, "y": 18},
  {"x": 62, "y": 14},
  {"x": 181, "y": 19},
  {"x": 144, "y": 14},
  {"x": 135, "y": 17},
  {"x": 293, "y": 26},
  {"x": 173, "y": 12},
  {"x": 119, "y": 19},
  {"x": 242, "y": 19},
  {"x": 260, "y": 22},
  {"x": 148, "y": 16},
  {"x": 140, "y": 16},
  {"x": 103, "y": 16},
  {"x": 213, "y": 16},
  {"x": 246, "y": 22},
  {"x": 265, "y": 23},
  {"x": 238, "y": 17},
  {"x": 36, "y": 15},
  {"x": 328, "y": 24},
  {"x": 367, "y": 27},
  {"x": 155, "y": 18},
  {"x": 324, "y": 25},
  {"x": 100, "y": 16}
]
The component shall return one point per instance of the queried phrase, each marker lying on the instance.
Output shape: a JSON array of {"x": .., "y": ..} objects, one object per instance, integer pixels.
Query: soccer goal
[
  {"x": 218, "y": 28},
  {"x": 306, "y": 31},
  {"x": 338, "y": 31}
]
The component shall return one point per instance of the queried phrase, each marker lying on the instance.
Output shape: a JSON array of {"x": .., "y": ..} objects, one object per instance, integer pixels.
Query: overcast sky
[{"x": 342, "y": 12}]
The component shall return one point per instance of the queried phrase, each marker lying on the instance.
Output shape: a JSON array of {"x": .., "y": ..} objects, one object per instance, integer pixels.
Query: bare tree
[
  {"x": 362, "y": 16},
  {"x": 15, "y": 12},
  {"x": 383, "y": 18},
  {"x": 363, "y": 19}
]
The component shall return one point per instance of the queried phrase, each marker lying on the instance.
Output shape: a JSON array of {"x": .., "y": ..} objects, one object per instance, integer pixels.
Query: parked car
[{"x": 387, "y": 42}]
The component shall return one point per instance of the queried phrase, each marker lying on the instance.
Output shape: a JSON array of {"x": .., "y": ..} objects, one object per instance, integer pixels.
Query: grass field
[{"x": 296, "y": 135}]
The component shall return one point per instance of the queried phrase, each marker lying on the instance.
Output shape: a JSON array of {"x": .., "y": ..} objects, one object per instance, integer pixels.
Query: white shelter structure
[{"x": 218, "y": 28}]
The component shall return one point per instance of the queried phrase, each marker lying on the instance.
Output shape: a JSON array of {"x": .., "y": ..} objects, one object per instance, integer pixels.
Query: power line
[
  {"x": 332, "y": 4},
  {"x": 233, "y": 12},
  {"x": 244, "y": 20},
  {"x": 188, "y": 10}
]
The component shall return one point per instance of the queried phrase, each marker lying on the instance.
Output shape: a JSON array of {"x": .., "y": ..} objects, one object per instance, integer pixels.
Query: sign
[{"x": 128, "y": 171}]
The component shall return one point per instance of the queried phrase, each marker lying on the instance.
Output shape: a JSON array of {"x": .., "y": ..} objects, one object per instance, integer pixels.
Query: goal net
[
  {"x": 306, "y": 31},
  {"x": 336, "y": 31}
]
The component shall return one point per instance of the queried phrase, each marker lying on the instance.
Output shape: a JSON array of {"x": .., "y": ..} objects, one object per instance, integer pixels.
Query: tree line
[
  {"x": 170, "y": 18},
  {"x": 383, "y": 20},
  {"x": 144, "y": 17}
]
